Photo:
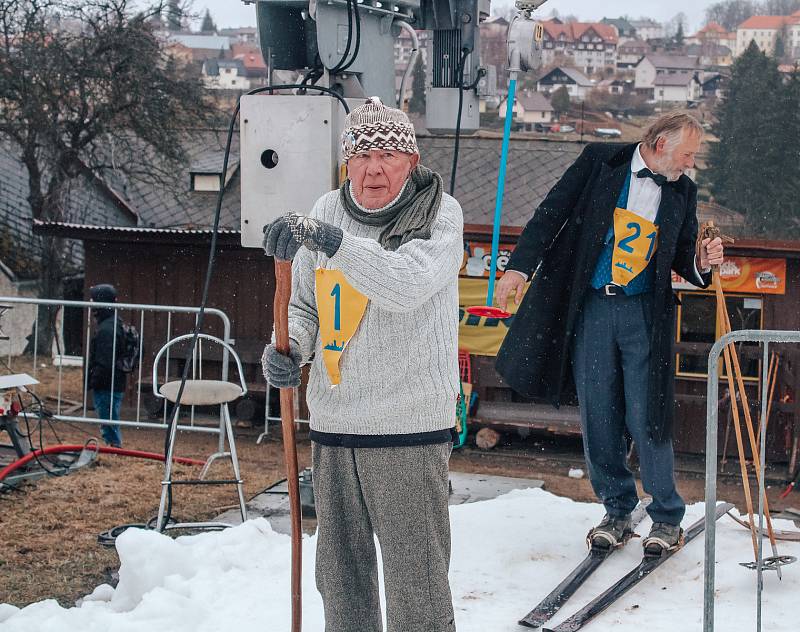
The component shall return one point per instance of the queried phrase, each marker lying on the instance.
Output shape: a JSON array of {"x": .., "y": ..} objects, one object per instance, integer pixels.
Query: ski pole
[{"x": 283, "y": 291}]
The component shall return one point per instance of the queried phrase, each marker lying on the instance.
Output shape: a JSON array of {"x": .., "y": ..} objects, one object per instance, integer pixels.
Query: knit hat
[
  {"x": 375, "y": 126},
  {"x": 103, "y": 293}
]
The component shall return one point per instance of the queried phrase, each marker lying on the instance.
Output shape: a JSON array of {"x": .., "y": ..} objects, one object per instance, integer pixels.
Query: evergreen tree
[
  {"x": 560, "y": 100},
  {"x": 679, "y": 35},
  {"x": 750, "y": 167},
  {"x": 208, "y": 25},
  {"x": 174, "y": 15},
  {"x": 416, "y": 103},
  {"x": 780, "y": 45}
]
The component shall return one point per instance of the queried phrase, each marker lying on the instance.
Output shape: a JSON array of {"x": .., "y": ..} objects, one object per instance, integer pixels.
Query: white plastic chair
[{"x": 200, "y": 392}]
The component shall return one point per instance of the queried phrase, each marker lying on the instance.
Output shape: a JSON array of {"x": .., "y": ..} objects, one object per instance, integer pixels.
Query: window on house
[{"x": 698, "y": 323}]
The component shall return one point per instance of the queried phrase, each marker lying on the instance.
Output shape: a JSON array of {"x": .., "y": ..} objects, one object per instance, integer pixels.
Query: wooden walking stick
[{"x": 283, "y": 291}]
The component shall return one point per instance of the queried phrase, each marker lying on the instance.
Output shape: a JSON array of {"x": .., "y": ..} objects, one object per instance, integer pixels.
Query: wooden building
[{"x": 163, "y": 260}]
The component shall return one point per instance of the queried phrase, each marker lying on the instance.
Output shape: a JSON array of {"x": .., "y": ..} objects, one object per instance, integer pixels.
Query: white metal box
[{"x": 289, "y": 156}]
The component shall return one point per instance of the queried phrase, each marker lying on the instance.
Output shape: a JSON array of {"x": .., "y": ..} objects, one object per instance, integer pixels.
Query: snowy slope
[{"x": 507, "y": 554}]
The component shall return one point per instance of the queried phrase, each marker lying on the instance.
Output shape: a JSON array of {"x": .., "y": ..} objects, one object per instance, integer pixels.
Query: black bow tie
[{"x": 657, "y": 177}]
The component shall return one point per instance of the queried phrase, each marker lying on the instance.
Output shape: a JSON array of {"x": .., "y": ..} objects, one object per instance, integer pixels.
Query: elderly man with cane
[
  {"x": 374, "y": 310},
  {"x": 601, "y": 248}
]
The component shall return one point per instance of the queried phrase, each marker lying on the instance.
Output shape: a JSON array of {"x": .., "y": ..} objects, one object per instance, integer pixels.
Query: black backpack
[{"x": 128, "y": 358}]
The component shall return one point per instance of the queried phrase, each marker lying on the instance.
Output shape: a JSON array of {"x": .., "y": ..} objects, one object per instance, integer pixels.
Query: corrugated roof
[
  {"x": 86, "y": 201},
  {"x": 534, "y": 166},
  {"x": 535, "y": 102},
  {"x": 672, "y": 62},
  {"x": 65, "y": 227},
  {"x": 204, "y": 42},
  {"x": 677, "y": 79},
  {"x": 573, "y": 73}
]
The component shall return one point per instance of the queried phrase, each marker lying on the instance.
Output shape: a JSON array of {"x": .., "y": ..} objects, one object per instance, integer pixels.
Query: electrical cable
[
  {"x": 341, "y": 65},
  {"x": 212, "y": 259},
  {"x": 460, "y": 78},
  {"x": 357, "y": 17}
]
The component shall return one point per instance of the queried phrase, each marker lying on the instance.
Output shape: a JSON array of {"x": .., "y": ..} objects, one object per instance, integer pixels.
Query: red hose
[{"x": 56, "y": 449}]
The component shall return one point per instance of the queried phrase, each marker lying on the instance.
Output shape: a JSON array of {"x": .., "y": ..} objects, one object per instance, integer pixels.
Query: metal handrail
[
  {"x": 141, "y": 307},
  {"x": 712, "y": 418}
]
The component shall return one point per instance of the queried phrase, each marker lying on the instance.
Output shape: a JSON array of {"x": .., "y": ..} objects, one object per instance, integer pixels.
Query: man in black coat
[
  {"x": 600, "y": 249},
  {"x": 106, "y": 379}
]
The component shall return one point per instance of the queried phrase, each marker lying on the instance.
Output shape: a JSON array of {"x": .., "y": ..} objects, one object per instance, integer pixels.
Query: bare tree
[{"x": 85, "y": 88}]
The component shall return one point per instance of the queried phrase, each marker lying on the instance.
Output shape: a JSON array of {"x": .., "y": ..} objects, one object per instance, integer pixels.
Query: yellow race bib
[
  {"x": 635, "y": 242},
  {"x": 340, "y": 309}
]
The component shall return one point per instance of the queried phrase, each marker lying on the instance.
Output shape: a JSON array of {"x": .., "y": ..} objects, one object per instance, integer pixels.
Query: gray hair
[{"x": 670, "y": 127}]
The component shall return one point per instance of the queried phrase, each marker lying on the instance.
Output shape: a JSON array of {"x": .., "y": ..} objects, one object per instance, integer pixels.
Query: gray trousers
[
  {"x": 610, "y": 360},
  {"x": 400, "y": 495}
]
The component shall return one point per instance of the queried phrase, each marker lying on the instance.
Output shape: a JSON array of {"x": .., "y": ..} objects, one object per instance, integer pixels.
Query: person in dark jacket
[
  {"x": 600, "y": 250},
  {"x": 106, "y": 381}
]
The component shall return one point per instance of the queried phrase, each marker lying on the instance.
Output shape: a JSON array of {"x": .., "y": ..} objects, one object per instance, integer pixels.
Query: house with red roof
[
  {"x": 764, "y": 31},
  {"x": 592, "y": 46}
]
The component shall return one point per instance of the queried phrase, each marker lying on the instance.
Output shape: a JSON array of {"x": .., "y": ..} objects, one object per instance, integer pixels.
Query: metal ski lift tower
[{"x": 289, "y": 143}]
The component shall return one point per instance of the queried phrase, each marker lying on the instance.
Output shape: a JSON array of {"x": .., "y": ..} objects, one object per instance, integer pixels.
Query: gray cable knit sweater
[{"x": 400, "y": 369}]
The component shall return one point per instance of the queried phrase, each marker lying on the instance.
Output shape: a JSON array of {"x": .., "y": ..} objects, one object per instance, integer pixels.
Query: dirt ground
[{"x": 49, "y": 529}]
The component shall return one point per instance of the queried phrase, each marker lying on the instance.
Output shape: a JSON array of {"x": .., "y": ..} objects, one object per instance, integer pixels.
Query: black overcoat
[{"x": 564, "y": 239}]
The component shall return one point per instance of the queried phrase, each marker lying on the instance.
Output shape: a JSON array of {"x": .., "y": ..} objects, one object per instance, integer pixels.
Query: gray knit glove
[
  {"x": 284, "y": 236},
  {"x": 282, "y": 371}
]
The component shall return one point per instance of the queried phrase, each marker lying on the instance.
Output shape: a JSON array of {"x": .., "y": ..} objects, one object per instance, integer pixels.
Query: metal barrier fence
[
  {"x": 745, "y": 335},
  {"x": 139, "y": 323}
]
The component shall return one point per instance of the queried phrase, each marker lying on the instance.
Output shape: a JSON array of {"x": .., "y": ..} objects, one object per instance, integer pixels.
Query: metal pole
[
  {"x": 87, "y": 358},
  {"x": 141, "y": 352},
  {"x": 761, "y": 490},
  {"x": 743, "y": 335},
  {"x": 61, "y": 362},
  {"x": 36, "y": 342},
  {"x": 711, "y": 484}
]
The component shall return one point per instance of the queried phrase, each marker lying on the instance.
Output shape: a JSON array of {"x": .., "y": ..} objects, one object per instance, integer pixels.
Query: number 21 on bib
[{"x": 635, "y": 242}]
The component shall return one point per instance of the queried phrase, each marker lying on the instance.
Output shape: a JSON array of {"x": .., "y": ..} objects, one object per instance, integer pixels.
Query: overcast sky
[{"x": 235, "y": 13}]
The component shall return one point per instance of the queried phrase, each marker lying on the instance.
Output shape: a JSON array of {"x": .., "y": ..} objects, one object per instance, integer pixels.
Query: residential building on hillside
[
  {"x": 255, "y": 67},
  {"x": 494, "y": 52},
  {"x": 225, "y": 74},
  {"x": 764, "y": 31},
  {"x": 630, "y": 52},
  {"x": 648, "y": 29},
  {"x": 246, "y": 34},
  {"x": 710, "y": 54},
  {"x": 530, "y": 108},
  {"x": 203, "y": 47},
  {"x": 624, "y": 27},
  {"x": 681, "y": 87},
  {"x": 577, "y": 84},
  {"x": 652, "y": 66},
  {"x": 614, "y": 86},
  {"x": 713, "y": 33},
  {"x": 592, "y": 46}
]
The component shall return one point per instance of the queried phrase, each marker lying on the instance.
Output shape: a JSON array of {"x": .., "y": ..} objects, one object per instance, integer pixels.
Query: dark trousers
[
  {"x": 610, "y": 360},
  {"x": 106, "y": 406},
  {"x": 398, "y": 494}
]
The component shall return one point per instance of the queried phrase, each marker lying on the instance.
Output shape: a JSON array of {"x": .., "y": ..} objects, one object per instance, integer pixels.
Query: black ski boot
[
  {"x": 663, "y": 537},
  {"x": 610, "y": 533}
]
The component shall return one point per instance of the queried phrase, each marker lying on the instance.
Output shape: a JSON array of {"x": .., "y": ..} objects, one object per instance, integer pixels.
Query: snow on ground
[{"x": 507, "y": 554}]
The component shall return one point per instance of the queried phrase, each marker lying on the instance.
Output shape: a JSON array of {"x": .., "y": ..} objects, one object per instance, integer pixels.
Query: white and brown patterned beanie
[{"x": 375, "y": 126}]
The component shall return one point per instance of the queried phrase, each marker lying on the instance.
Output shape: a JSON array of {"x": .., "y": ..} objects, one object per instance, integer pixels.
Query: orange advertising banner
[
  {"x": 746, "y": 274},
  {"x": 478, "y": 259}
]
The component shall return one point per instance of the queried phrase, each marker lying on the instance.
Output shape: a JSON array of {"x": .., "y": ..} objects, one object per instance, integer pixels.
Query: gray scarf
[{"x": 409, "y": 217}]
